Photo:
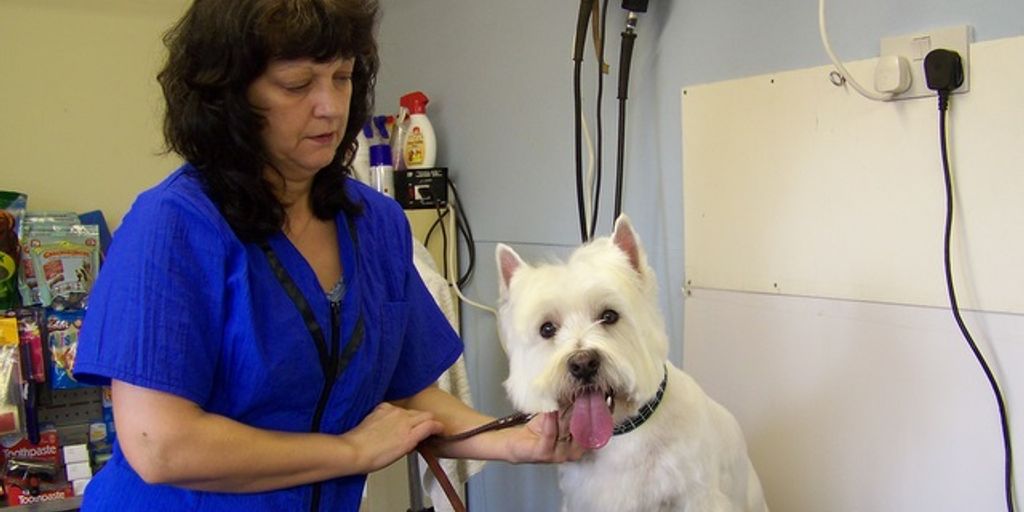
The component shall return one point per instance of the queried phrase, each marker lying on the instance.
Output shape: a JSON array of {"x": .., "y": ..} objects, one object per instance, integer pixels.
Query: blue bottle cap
[{"x": 380, "y": 154}]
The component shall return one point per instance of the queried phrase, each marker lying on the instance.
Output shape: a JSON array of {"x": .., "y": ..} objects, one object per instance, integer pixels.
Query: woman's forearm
[{"x": 170, "y": 440}]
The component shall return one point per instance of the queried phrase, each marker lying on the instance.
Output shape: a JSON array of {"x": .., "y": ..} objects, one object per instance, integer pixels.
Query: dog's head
[{"x": 584, "y": 337}]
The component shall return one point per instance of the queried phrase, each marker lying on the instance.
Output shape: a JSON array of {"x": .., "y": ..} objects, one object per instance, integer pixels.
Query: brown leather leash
[{"x": 426, "y": 450}]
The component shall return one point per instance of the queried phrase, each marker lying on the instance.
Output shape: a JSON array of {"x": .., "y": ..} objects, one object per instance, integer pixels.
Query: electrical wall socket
[{"x": 914, "y": 47}]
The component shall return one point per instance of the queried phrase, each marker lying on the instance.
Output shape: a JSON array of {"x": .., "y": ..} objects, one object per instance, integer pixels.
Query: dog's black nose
[{"x": 584, "y": 364}]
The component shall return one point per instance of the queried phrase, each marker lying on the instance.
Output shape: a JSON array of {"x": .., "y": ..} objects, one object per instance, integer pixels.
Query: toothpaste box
[{"x": 34, "y": 472}]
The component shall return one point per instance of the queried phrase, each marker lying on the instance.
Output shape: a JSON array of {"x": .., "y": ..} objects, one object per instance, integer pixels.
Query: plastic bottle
[
  {"x": 398, "y": 137},
  {"x": 419, "y": 146},
  {"x": 382, "y": 173},
  {"x": 361, "y": 161}
]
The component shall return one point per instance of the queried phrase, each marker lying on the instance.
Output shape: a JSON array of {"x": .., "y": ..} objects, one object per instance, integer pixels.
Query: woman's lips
[{"x": 323, "y": 138}]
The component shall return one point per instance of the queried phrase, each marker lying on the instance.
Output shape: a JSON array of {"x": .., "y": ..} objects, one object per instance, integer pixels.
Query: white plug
[{"x": 892, "y": 74}]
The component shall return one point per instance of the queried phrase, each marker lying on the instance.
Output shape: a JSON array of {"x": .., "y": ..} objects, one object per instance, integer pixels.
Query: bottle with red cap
[{"x": 419, "y": 146}]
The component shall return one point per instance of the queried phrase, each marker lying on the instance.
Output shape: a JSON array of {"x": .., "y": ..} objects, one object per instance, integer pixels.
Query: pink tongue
[{"x": 591, "y": 423}]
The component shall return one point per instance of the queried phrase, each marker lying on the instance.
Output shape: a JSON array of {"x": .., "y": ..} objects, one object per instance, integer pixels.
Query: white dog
[{"x": 586, "y": 338}]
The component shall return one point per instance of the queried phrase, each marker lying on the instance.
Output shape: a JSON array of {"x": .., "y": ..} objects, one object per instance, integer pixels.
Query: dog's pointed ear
[
  {"x": 508, "y": 263},
  {"x": 625, "y": 238}
]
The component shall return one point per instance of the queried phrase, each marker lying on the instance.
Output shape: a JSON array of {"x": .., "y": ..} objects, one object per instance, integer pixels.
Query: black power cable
[
  {"x": 944, "y": 72},
  {"x": 625, "y": 61},
  {"x": 444, "y": 238},
  {"x": 462, "y": 226},
  {"x": 440, "y": 218}
]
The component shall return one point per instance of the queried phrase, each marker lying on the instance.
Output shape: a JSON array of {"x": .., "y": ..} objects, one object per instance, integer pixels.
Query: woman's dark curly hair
[{"x": 216, "y": 51}]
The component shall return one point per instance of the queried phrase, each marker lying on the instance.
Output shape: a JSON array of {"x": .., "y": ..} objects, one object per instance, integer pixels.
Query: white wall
[
  {"x": 794, "y": 185},
  {"x": 845, "y": 395},
  {"x": 500, "y": 77},
  {"x": 859, "y": 406}
]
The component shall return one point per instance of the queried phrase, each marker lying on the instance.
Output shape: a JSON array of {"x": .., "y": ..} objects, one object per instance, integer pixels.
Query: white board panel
[
  {"x": 793, "y": 185},
  {"x": 859, "y": 407}
]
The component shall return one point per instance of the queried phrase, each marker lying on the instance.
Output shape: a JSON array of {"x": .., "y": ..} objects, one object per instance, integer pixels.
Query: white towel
[{"x": 454, "y": 381}]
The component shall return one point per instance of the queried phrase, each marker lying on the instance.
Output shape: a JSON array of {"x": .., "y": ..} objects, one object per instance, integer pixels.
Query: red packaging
[
  {"x": 24, "y": 486},
  {"x": 16, "y": 496}
]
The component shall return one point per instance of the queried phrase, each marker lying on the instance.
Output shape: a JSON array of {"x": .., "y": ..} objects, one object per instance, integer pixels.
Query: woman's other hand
[
  {"x": 541, "y": 441},
  {"x": 388, "y": 434}
]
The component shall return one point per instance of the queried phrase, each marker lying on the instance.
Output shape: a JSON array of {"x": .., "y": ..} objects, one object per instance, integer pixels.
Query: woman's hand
[
  {"x": 388, "y": 433},
  {"x": 537, "y": 441},
  {"x": 541, "y": 441}
]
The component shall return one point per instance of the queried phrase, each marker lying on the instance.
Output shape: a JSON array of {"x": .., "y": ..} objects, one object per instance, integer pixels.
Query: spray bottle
[
  {"x": 419, "y": 146},
  {"x": 382, "y": 174},
  {"x": 398, "y": 137},
  {"x": 361, "y": 160}
]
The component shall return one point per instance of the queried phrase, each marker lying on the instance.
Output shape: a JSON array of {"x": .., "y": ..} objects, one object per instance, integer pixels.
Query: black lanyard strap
[
  {"x": 332, "y": 364},
  {"x": 350, "y": 348},
  {"x": 293, "y": 292}
]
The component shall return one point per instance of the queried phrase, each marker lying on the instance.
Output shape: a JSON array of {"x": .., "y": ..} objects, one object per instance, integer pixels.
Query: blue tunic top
[{"x": 182, "y": 306}]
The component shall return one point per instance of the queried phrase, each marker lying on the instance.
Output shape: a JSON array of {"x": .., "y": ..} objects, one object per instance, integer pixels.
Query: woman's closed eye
[{"x": 296, "y": 86}]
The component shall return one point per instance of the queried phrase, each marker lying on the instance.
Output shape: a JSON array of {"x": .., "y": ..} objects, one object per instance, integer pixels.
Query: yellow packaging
[{"x": 10, "y": 378}]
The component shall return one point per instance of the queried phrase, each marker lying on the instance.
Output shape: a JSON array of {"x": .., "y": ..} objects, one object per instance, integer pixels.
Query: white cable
[
  {"x": 453, "y": 279},
  {"x": 871, "y": 95},
  {"x": 588, "y": 181}
]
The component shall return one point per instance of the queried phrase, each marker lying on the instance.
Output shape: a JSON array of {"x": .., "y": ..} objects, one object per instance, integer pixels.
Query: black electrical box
[{"x": 420, "y": 189}]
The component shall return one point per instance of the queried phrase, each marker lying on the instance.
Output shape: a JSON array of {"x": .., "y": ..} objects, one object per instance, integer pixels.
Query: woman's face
[{"x": 305, "y": 104}]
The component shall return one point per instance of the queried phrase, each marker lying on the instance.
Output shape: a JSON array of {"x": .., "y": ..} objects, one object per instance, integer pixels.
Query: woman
[{"x": 266, "y": 337}]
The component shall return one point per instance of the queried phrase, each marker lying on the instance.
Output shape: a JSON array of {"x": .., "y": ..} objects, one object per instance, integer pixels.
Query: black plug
[
  {"x": 635, "y": 5},
  {"x": 944, "y": 71}
]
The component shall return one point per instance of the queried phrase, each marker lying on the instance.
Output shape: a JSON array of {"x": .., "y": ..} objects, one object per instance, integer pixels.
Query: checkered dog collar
[{"x": 645, "y": 412}]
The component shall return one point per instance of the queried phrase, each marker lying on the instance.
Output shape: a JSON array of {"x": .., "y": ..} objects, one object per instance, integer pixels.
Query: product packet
[
  {"x": 12, "y": 210},
  {"x": 33, "y": 469},
  {"x": 62, "y": 328},
  {"x": 102, "y": 434},
  {"x": 96, "y": 217},
  {"x": 37, "y": 222},
  {"x": 12, "y": 418},
  {"x": 33, "y": 364},
  {"x": 65, "y": 262},
  {"x": 30, "y": 330}
]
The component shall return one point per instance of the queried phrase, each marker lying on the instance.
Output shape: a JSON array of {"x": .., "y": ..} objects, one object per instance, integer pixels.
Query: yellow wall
[
  {"x": 81, "y": 113},
  {"x": 80, "y": 109}
]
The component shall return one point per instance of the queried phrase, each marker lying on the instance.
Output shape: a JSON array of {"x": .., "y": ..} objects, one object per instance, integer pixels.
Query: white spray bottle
[
  {"x": 419, "y": 146},
  {"x": 361, "y": 160},
  {"x": 398, "y": 137}
]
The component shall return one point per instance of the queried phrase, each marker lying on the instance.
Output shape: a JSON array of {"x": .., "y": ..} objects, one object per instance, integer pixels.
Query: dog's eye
[
  {"x": 548, "y": 330},
  {"x": 609, "y": 316}
]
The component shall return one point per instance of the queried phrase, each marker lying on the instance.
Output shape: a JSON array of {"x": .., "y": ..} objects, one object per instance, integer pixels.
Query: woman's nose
[{"x": 329, "y": 101}]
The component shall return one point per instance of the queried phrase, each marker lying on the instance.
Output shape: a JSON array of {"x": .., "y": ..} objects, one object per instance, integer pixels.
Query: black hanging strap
[
  {"x": 301, "y": 304},
  {"x": 332, "y": 364}
]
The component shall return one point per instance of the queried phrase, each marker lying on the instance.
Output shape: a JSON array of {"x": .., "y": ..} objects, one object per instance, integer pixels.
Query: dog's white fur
[{"x": 690, "y": 455}]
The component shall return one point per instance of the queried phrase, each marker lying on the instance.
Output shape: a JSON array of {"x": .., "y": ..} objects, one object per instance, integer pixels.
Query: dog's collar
[{"x": 645, "y": 412}]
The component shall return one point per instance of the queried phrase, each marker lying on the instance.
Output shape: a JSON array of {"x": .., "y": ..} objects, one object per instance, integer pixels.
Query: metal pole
[{"x": 415, "y": 488}]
